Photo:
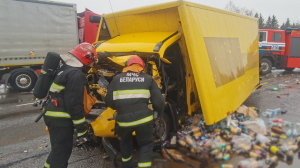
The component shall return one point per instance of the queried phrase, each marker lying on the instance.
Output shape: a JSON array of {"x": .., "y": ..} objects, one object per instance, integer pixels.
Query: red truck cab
[
  {"x": 88, "y": 25},
  {"x": 279, "y": 49}
]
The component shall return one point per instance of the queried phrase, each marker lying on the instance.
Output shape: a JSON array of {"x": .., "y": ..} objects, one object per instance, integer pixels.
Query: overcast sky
[{"x": 282, "y": 9}]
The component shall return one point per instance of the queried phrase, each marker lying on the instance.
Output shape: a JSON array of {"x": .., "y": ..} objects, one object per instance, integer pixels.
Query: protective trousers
[
  {"x": 61, "y": 146},
  {"x": 144, "y": 136}
]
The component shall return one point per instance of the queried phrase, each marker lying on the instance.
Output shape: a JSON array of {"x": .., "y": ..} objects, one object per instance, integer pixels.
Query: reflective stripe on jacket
[
  {"x": 130, "y": 89},
  {"x": 67, "y": 90}
]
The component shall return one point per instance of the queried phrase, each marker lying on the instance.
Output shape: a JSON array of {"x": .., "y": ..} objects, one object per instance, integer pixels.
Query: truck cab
[{"x": 278, "y": 48}]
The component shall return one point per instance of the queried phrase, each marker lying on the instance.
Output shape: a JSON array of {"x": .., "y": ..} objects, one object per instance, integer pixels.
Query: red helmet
[
  {"x": 135, "y": 60},
  {"x": 85, "y": 52}
]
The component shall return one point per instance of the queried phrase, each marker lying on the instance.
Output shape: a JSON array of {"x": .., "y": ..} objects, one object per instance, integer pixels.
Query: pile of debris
[{"x": 242, "y": 133}]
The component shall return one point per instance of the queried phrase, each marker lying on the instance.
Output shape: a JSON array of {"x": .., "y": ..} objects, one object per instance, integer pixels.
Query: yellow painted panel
[
  {"x": 220, "y": 50},
  {"x": 189, "y": 79},
  {"x": 223, "y": 57},
  {"x": 143, "y": 24},
  {"x": 102, "y": 127},
  {"x": 160, "y": 20},
  {"x": 139, "y": 42}
]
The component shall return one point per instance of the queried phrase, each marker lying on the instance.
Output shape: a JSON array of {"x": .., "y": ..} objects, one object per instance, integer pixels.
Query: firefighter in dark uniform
[
  {"x": 66, "y": 110},
  {"x": 129, "y": 93}
]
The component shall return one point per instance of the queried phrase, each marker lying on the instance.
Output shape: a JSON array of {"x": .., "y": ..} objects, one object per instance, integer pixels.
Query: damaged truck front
[{"x": 204, "y": 60}]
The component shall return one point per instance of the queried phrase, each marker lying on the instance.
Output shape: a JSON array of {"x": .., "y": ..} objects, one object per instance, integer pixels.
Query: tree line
[{"x": 270, "y": 23}]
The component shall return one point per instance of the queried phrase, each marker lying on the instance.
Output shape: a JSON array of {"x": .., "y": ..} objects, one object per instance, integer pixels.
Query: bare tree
[
  {"x": 297, "y": 24},
  {"x": 242, "y": 10}
]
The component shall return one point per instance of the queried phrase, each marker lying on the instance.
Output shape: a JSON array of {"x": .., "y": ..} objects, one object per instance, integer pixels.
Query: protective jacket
[
  {"x": 129, "y": 94},
  {"x": 66, "y": 106}
]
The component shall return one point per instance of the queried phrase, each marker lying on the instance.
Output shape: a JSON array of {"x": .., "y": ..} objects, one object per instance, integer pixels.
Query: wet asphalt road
[{"x": 24, "y": 143}]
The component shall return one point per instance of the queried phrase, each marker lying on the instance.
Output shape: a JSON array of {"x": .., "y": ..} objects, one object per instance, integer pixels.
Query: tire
[
  {"x": 22, "y": 81},
  {"x": 289, "y": 69},
  {"x": 266, "y": 66},
  {"x": 165, "y": 127}
]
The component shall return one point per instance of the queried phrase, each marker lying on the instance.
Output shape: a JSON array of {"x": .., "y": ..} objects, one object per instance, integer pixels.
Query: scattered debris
[
  {"x": 250, "y": 163},
  {"x": 105, "y": 155},
  {"x": 275, "y": 89},
  {"x": 226, "y": 166},
  {"x": 174, "y": 153},
  {"x": 242, "y": 132},
  {"x": 281, "y": 86},
  {"x": 248, "y": 112},
  {"x": 292, "y": 87},
  {"x": 283, "y": 111}
]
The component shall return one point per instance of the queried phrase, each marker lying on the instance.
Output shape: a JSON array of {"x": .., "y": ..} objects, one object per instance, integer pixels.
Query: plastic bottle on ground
[
  {"x": 295, "y": 132},
  {"x": 290, "y": 155},
  {"x": 277, "y": 130},
  {"x": 226, "y": 166},
  {"x": 276, "y": 151},
  {"x": 289, "y": 133},
  {"x": 272, "y": 162}
]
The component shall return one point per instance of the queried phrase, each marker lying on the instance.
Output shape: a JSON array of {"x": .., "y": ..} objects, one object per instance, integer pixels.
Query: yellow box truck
[{"x": 205, "y": 59}]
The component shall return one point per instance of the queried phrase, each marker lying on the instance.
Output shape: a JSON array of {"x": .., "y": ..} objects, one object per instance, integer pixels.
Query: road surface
[{"x": 24, "y": 143}]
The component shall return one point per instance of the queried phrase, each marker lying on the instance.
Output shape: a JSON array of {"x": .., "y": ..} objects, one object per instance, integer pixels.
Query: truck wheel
[
  {"x": 289, "y": 69},
  {"x": 162, "y": 128},
  {"x": 266, "y": 66},
  {"x": 23, "y": 81}
]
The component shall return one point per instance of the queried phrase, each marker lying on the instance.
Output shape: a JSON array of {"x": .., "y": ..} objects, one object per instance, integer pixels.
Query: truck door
[
  {"x": 277, "y": 43},
  {"x": 293, "y": 49},
  {"x": 262, "y": 41}
]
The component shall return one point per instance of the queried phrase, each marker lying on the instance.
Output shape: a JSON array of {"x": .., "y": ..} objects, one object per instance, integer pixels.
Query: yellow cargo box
[{"x": 216, "y": 50}]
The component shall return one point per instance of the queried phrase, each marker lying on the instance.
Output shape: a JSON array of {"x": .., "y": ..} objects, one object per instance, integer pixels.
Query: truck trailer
[
  {"x": 200, "y": 57},
  {"x": 29, "y": 29}
]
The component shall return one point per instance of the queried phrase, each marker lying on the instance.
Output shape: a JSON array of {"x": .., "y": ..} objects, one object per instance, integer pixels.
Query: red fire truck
[{"x": 279, "y": 49}]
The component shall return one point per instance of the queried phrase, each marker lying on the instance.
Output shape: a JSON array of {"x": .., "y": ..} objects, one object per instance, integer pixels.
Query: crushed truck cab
[{"x": 210, "y": 64}]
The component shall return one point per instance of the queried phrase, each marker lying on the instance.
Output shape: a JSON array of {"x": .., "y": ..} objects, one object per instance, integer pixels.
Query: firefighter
[
  {"x": 129, "y": 93},
  {"x": 66, "y": 109}
]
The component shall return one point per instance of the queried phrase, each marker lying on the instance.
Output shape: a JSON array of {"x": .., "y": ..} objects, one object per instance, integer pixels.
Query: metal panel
[
  {"x": 295, "y": 47},
  {"x": 139, "y": 42},
  {"x": 166, "y": 20},
  {"x": 35, "y": 26},
  {"x": 223, "y": 57},
  {"x": 204, "y": 31}
]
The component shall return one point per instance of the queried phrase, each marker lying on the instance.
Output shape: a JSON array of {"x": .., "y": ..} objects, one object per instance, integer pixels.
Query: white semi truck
[{"x": 29, "y": 29}]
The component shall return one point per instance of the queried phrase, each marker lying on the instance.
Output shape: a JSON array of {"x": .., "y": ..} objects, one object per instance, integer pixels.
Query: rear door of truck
[{"x": 223, "y": 57}]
